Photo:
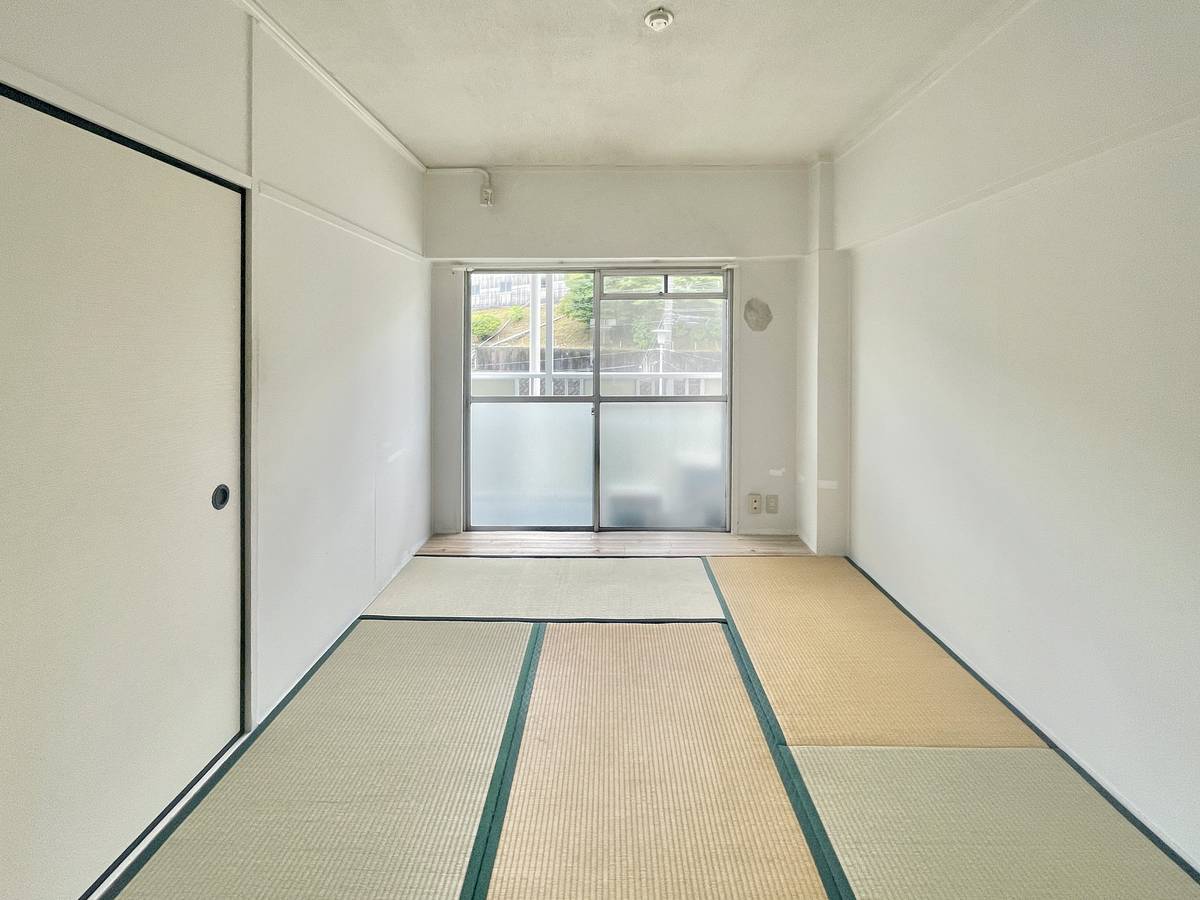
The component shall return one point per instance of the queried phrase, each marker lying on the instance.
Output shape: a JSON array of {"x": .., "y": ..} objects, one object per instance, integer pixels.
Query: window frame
[{"x": 596, "y": 398}]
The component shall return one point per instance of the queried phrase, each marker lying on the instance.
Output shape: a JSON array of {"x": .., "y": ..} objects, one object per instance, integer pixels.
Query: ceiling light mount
[{"x": 659, "y": 19}]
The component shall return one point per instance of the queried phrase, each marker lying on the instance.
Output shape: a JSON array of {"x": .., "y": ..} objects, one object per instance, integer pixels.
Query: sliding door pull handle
[{"x": 220, "y": 496}]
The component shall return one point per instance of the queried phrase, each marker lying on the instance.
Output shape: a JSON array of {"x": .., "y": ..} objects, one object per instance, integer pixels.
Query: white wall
[
  {"x": 822, "y": 374},
  {"x": 823, "y": 402},
  {"x": 310, "y": 144},
  {"x": 764, "y": 395},
  {"x": 1026, "y": 380},
  {"x": 807, "y": 356},
  {"x": 341, "y": 314},
  {"x": 339, "y": 375},
  {"x": 728, "y": 214},
  {"x": 342, "y": 450},
  {"x": 617, "y": 213},
  {"x": 177, "y": 68},
  {"x": 446, "y": 368}
]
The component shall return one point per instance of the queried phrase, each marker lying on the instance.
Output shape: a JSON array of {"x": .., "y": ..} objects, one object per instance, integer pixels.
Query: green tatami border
[
  {"x": 478, "y": 876},
  {"x": 829, "y": 867}
]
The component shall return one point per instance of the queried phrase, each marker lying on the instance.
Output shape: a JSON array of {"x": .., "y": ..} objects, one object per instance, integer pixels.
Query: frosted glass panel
[
  {"x": 662, "y": 465},
  {"x": 531, "y": 464}
]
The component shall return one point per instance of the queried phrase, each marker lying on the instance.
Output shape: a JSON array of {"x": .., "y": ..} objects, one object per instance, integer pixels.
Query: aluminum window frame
[{"x": 596, "y": 398}]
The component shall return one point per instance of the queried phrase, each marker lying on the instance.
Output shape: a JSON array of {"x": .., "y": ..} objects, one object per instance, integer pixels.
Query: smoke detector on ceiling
[{"x": 659, "y": 19}]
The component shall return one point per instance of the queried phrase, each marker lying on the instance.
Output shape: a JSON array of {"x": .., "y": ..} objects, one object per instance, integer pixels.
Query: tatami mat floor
[
  {"x": 370, "y": 783},
  {"x": 643, "y": 773},
  {"x": 844, "y": 667},
  {"x": 804, "y": 738},
  {"x": 947, "y": 823},
  {"x": 551, "y": 590}
]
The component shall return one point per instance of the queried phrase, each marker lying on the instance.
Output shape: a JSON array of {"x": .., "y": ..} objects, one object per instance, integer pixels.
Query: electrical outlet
[
  {"x": 772, "y": 504},
  {"x": 755, "y": 504}
]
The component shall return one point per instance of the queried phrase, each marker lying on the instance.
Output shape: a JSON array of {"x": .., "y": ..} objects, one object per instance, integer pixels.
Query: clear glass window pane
[
  {"x": 633, "y": 284},
  {"x": 695, "y": 284},
  {"x": 512, "y": 337},
  {"x": 662, "y": 348},
  {"x": 531, "y": 464},
  {"x": 663, "y": 465},
  {"x": 572, "y": 300},
  {"x": 507, "y": 354}
]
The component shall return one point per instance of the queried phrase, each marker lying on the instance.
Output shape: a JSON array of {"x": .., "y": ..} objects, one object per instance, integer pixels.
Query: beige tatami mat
[
  {"x": 970, "y": 824},
  {"x": 643, "y": 773},
  {"x": 842, "y": 665},
  {"x": 369, "y": 783},
  {"x": 550, "y": 589}
]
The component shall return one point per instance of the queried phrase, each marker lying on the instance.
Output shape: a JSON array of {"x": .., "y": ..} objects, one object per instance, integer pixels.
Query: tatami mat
[
  {"x": 643, "y": 773},
  {"x": 970, "y": 824},
  {"x": 369, "y": 783},
  {"x": 550, "y": 589},
  {"x": 842, "y": 665}
]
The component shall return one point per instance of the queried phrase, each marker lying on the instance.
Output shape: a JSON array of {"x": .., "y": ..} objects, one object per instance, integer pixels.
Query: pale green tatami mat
[
  {"x": 968, "y": 824},
  {"x": 369, "y": 784},
  {"x": 550, "y": 589}
]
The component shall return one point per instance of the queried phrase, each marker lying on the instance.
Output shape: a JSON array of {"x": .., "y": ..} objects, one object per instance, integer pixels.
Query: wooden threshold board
[{"x": 611, "y": 543}]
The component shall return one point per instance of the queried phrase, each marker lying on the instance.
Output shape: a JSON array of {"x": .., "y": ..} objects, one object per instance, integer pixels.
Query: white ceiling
[{"x": 585, "y": 82}]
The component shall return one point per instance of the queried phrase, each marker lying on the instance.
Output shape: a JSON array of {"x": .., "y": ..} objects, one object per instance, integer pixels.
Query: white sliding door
[{"x": 120, "y": 410}]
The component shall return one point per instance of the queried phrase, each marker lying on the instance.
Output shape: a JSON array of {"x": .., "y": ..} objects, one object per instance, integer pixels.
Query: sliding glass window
[{"x": 634, "y": 378}]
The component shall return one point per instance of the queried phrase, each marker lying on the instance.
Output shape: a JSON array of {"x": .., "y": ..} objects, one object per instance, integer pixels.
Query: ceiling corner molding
[
  {"x": 964, "y": 45},
  {"x": 277, "y": 31}
]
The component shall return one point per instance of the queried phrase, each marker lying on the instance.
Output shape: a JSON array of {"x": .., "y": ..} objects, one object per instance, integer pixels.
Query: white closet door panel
[{"x": 120, "y": 618}]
